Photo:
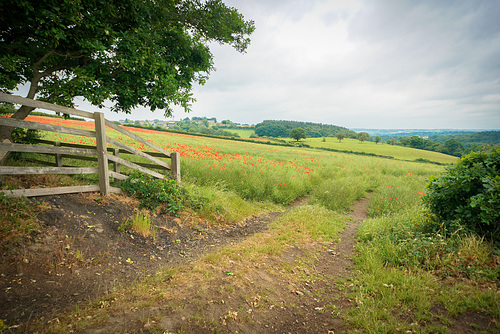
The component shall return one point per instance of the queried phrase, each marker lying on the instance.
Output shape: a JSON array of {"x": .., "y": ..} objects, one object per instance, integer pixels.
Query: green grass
[
  {"x": 293, "y": 228},
  {"x": 271, "y": 174},
  {"x": 242, "y": 133},
  {"x": 397, "y": 286},
  {"x": 400, "y": 267},
  {"x": 398, "y": 152},
  {"x": 140, "y": 224}
]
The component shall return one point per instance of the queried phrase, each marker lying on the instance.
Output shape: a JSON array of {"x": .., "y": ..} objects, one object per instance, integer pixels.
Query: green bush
[
  {"x": 468, "y": 195},
  {"x": 25, "y": 136},
  {"x": 166, "y": 194},
  {"x": 153, "y": 192}
]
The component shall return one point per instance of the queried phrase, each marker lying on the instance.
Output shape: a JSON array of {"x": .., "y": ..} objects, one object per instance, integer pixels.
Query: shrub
[
  {"x": 152, "y": 192},
  {"x": 468, "y": 195},
  {"x": 25, "y": 136},
  {"x": 167, "y": 194}
]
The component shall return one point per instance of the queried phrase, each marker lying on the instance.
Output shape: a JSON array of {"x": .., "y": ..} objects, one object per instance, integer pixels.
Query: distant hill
[
  {"x": 471, "y": 140},
  {"x": 388, "y": 134},
  {"x": 271, "y": 128},
  {"x": 449, "y": 141}
]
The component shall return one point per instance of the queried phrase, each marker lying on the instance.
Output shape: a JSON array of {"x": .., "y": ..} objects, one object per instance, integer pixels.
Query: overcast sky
[{"x": 367, "y": 63}]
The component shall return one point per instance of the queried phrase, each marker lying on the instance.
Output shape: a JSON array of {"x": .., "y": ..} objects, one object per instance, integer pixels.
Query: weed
[
  {"x": 17, "y": 218},
  {"x": 140, "y": 224},
  {"x": 99, "y": 258},
  {"x": 80, "y": 256}
]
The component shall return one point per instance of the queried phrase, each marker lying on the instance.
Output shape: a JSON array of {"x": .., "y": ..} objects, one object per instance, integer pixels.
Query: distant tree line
[
  {"x": 313, "y": 130},
  {"x": 471, "y": 140},
  {"x": 456, "y": 145},
  {"x": 201, "y": 125}
]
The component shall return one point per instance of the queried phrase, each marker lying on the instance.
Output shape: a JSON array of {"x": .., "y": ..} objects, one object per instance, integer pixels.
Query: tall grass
[
  {"x": 400, "y": 266},
  {"x": 259, "y": 172}
]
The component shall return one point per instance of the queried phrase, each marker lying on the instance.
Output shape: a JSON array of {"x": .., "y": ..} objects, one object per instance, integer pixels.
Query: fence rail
[{"x": 101, "y": 153}]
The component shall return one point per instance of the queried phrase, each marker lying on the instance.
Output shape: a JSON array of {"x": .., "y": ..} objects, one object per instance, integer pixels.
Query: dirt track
[{"x": 43, "y": 276}]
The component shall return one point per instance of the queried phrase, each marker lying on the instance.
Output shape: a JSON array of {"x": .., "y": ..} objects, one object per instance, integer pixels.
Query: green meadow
[
  {"x": 243, "y": 133},
  {"x": 398, "y": 282},
  {"x": 354, "y": 145},
  {"x": 398, "y": 152}
]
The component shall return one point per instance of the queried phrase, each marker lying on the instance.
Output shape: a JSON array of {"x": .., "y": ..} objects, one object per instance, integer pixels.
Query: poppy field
[
  {"x": 399, "y": 266},
  {"x": 280, "y": 175}
]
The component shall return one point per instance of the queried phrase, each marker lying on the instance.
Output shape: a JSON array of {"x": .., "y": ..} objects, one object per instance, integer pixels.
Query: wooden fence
[{"x": 100, "y": 153}]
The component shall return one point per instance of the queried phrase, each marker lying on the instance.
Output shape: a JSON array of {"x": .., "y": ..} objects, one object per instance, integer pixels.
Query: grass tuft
[{"x": 140, "y": 224}]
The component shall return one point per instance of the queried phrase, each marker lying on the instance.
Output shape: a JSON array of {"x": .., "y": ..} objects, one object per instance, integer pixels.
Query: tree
[
  {"x": 362, "y": 136},
  {"x": 377, "y": 139},
  {"x": 313, "y": 130},
  {"x": 453, "y": 147},
  {"x": 272, "y": 130},
  {"x": 130, "y": 52},
  {"x": 297, "y": 134},
  {"x": 340, "y": 136}
]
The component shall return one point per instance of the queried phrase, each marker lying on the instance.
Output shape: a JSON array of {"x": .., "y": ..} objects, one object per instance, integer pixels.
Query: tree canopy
[
  {"x": 362, "y": 136},
  {"x": 298, "y": 134},
  {"x": 340, "y": 136},
  {"x": 130, "y": 52},
  {"x": 282, "y": 129}
]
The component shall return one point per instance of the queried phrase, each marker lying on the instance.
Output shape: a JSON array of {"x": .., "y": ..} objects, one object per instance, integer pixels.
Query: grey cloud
[{"x": 368, "y": 63}]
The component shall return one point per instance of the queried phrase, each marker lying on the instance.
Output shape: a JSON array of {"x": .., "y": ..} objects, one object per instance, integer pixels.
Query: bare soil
[{"x": 80, "y": 255}]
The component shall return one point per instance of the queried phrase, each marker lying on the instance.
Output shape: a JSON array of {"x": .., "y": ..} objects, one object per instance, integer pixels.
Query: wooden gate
[{"x": 102, "y": 154}]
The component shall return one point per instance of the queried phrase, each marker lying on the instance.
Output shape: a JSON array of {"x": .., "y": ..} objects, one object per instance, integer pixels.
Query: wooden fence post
[
  {"x": 116, "y": 165},
  {"x": 175, "y": 165},
  {"x": 102, "y": 153},
  {"x": 59, "y": 162}
]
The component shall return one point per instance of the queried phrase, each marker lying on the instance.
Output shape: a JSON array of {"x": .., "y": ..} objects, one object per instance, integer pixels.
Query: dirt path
[
  {"x": 41, "y": 277},
  {"x": 343, "y": 250},
  {"x": 263, "y": 297},
  {"x": 334, "y": 266},
  {"x": 79, "y": 253}
]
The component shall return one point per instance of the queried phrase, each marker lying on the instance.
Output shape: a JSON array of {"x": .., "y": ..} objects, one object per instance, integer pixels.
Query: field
[
  {"x": 398, "y": 152},
  {"x": 402, "y": 279},
  {"x": 354, "y": 145},
  {"x": 243, "y": 132}
]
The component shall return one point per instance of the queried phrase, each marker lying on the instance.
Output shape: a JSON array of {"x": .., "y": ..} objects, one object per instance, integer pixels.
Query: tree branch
[
  {"x": 36, "y": 66},
  {"x": 70, "y": 55},
  {"x": 53, "y": 69}
]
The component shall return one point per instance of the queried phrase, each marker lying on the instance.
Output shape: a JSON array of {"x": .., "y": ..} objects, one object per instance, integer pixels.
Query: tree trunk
[{"x": 24, "y": 111}]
